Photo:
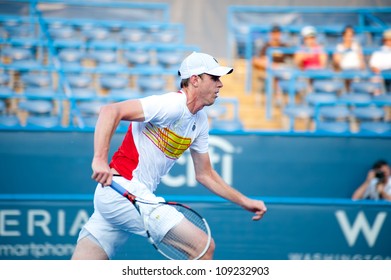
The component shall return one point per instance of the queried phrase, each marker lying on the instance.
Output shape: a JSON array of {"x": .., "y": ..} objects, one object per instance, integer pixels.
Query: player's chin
[{"x": 213, "y": 100}]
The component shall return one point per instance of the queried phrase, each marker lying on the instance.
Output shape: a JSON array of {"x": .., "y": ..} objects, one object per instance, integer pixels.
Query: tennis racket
[{"x": 175, "y": 230}]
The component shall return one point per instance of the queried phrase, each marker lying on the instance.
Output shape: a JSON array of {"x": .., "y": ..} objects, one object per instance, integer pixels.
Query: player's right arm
[{"x": 109, "y": 117}]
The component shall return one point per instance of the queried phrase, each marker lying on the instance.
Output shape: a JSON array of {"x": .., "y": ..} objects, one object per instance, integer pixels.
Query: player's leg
[
  {"x": 88, "y": 249},
  {"x": 109, "y": 227},
  {"x": 188, "y": 238}
]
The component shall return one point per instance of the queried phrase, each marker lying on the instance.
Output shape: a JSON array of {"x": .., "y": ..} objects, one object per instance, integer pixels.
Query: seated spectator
[
  {"x": 380, "y": 60},
  {"x": 278, "y": 58},
  {"x": 377, "y": 184},
  {"x": 311, "y": 56},
  {"x": 348, "y": 54}
]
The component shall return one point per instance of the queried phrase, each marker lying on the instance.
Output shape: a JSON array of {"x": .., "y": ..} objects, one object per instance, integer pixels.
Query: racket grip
[{"x": 118, "y": 188}]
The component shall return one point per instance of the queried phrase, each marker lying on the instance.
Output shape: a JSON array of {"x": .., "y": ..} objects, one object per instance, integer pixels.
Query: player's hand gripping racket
[{"x": 175, "y": 230}]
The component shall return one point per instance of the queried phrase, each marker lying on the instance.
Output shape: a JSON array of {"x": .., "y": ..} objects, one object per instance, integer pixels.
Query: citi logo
[
  {"x": 351, "y": 230},
  {"x": 221, "y": 153}
]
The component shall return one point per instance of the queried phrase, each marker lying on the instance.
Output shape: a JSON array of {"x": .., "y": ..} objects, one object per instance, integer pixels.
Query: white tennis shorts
[{"x": 115, "y": 218}]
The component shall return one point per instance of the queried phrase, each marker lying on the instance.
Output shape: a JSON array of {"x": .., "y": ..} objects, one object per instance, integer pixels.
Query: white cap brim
[{"x": 220, "y": 71}]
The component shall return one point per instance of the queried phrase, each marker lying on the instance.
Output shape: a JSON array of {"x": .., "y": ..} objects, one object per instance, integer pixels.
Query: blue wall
[
  {"x": 305, "y": 181},
  {"x": 256, "y": 164}
]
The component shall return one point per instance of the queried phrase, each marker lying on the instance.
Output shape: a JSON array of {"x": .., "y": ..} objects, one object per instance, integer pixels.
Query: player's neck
[{"x": 191, "y": 101}]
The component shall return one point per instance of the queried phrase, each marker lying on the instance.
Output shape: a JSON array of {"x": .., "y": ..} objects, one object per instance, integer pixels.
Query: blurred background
[{"x": 302, "y": 139}]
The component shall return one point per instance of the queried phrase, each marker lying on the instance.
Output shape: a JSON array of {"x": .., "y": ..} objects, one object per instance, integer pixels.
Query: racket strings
[{"x": 189, "y": 238}]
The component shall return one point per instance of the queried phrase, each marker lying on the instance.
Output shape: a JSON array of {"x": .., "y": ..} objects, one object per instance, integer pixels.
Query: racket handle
[{"x": 118, "y": 188}]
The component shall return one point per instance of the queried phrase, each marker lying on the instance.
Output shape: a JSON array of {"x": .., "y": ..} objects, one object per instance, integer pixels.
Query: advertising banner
[{"x": 292, "y": 229}]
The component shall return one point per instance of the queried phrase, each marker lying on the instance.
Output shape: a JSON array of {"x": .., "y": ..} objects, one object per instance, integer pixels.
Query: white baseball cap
[
  {"x": 308, "y": 31},
  {"x": 199, "y": 63}
]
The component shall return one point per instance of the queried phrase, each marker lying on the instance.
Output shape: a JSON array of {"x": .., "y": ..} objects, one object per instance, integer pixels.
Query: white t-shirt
[
  {"x": 381, "y": 59},
  {"x": 350, "y": 57},
  {"x": 151, "y": 148},
  {"x": 371, "y": 191}
]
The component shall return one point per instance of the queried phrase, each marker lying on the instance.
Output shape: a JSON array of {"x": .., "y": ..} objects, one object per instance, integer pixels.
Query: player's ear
[{"x": 194, "y": 80}]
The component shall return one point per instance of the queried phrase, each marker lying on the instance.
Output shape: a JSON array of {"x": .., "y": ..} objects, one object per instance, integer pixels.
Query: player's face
[{"x": 209, "y": 88}]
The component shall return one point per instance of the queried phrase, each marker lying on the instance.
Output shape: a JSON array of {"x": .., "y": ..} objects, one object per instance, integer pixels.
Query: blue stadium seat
[
  {"x": 382, "y": 99},
  {"x": 150, "y": 85},
  {"x": 4, "y": 79},
  {"x": 366, "y": 87},
  {"x": 86, "y": 113},
  {"x": 38, "y": 84},
  {"x": 338, "y": 112},
  {"x": 333, "y": 126},
  {"x": 117, "y": 87},
  {"x": 5, "y": 89},
  {"x": 138, "y": 57},
  {"x": 96, "y": 33},
  {"x": 40, "y": 113},
  {"x": 165, "y": 37},
  {"x": 216, "y": 111},
  {"x": 299, "y": 86},
  {"x": 83, "y": 93},
  {"x": 355, "y": 98},
  {"x": 318, "y": 98},
  {"x": 81, "y": 85},
  {"x": 113, "y": 82},
  {"x": 226, "y": 125},
  {"x": 224, "y": 114},
  {"x": 170, "y": 59},
  {"x": 16, "y": 54},
  {"x": 368, "y": 113},
  {"x": 71, "y": 58},
  {"x": 284, "y": 73},
  {"x": 300, "y": 111},
  {"x": 46, "y": 122},
  {"x": 62, "y": 33},
  {"x": 135, "y": 35},
  {"x": 375, "y": 127},
  {"x": 104, "y": 56},
  {"x": 79, "y": 80},
  {"x": 330, "y": 86},
  {"x": 8, "y": 120}
]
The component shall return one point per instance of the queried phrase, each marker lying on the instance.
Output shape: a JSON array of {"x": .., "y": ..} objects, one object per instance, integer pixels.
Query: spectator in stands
[
  {"x": 348, "y": 54},
  {"x": 377, "y": 184},
  {"x": 311, "y": 56},
  {"x": 380, "y": 60},
  {"x": 279, "y": 58}
]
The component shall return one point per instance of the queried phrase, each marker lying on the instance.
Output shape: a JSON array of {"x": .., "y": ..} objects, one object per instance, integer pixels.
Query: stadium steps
[{"x": 252, "y": 104}]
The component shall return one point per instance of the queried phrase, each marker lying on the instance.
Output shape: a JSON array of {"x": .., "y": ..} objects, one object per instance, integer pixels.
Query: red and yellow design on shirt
[{"x": 170, "y": 143}]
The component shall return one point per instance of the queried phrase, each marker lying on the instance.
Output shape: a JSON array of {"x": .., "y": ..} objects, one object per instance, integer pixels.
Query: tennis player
[{"x": 162, "y": 128}]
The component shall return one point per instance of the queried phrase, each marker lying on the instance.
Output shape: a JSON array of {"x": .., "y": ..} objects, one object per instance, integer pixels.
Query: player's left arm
[{"x": 208, "y": 177}]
